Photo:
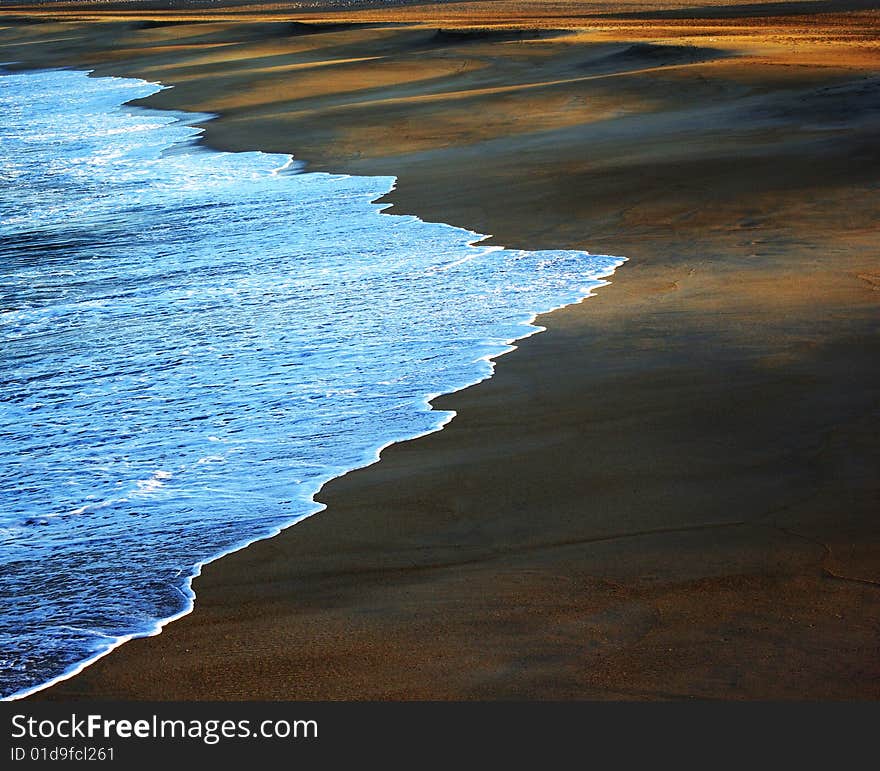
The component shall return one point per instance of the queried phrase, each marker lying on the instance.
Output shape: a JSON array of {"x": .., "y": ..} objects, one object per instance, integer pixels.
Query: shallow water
[{"x": 193, "y": 342}]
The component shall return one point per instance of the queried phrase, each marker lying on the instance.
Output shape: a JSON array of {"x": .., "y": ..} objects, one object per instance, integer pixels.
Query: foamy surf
[{"x": 196, "y": 343}]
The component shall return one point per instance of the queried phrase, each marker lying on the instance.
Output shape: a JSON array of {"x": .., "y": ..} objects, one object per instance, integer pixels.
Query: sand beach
[{"x": 671, "y": 493}]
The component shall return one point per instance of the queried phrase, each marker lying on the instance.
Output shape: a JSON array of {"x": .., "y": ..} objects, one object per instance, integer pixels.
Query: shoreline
[
  {"x": 530, "y": 328},
  {"x": 706, "y": 552}
]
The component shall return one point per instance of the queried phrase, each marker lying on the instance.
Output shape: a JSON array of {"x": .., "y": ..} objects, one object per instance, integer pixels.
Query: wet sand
[{"x": 672, "y": 492}]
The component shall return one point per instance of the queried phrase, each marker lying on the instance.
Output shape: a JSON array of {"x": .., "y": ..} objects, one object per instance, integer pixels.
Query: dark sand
[{"x": 671, "y": 493}]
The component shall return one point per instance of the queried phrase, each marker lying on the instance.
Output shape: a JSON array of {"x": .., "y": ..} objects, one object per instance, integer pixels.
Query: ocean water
[{"x": 193, "y": 342}]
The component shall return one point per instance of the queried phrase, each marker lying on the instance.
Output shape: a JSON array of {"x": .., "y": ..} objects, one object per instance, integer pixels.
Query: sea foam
[{"x": 194, "y": 343}]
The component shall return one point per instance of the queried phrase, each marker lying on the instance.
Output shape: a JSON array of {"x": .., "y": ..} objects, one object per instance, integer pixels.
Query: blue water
[{"x": 193, "y": 342}]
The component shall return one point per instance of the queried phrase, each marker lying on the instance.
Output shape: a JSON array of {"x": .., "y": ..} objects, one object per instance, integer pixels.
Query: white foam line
[{"x": 445, "y": 417}]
